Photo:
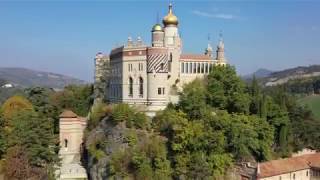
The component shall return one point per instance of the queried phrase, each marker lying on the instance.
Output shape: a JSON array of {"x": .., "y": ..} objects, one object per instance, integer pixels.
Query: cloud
[{"x": 211, "y": 15}]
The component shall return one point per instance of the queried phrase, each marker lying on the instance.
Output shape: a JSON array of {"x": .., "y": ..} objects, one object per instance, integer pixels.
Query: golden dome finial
[
  {"x": 170, "y": 8},
  {"x": 170, "y": 18}
]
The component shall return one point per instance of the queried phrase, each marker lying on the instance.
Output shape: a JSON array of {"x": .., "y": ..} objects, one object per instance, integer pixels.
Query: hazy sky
[{"x": 64, "y": 36}]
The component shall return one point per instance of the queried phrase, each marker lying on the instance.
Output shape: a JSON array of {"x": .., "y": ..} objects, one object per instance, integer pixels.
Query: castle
[{"x": 150, "y": 77}]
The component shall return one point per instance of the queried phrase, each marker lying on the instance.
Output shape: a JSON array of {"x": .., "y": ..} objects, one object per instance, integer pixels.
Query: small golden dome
[
  {"x": 170, "y": 19},
  {"x": 156, "y": 27}
]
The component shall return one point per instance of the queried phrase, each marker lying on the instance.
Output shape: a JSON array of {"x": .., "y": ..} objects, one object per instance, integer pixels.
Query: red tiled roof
[
  {"x": 282, "y": 166},
  {"x": 195, "y": 57},
  {"x": 68, "y": 114}
]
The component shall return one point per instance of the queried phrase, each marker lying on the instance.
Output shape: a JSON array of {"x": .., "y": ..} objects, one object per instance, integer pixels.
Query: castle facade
[{"x": 150, "y": 77}]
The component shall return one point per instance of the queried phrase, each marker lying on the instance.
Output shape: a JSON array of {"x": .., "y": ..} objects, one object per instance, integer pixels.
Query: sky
[{"x": 64, "y": 36}]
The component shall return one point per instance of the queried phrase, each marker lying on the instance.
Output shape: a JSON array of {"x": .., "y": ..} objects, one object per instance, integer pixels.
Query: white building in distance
[{"x": 150, "y": 77}]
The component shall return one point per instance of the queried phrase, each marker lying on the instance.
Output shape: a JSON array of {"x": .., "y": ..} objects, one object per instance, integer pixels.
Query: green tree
[
  {"x": 13, "y": 105},
  {"x": 193, "y": 99},
  {"x": 189, "y": 138},
  {"x": 34, "y": 133},
  {"x": 226, "y": 90},
  {"x": 76, "y": 98},
  {"x": 3, "y": 139},
  {"x": 40, "y": 99}
]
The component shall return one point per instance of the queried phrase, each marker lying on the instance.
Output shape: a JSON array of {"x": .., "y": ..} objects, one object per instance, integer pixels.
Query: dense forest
[
  {"x": 218, "y": 122},
  {"x": 303, "y": 86}
]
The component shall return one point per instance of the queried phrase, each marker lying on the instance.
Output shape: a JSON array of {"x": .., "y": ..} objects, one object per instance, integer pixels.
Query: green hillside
[{"x": 314, "y": 103}]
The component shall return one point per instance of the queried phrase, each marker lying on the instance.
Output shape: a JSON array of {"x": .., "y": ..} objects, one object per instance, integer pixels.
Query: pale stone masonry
[
  {"x": 150, "y": 77},
  {"x": 71, "y": 139}
]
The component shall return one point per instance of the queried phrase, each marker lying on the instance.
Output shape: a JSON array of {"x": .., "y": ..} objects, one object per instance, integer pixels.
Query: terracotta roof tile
[
  {"x": 282, "y": 166},
  {"x": 68, "y": 114},
  {"x": 195, "y": 57}
]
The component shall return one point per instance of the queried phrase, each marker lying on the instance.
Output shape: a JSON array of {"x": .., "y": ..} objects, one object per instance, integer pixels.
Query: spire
[
  {"x": 220, "y": 51},
  {"x": 158, "y": 18},
  {"x": 221, "y": 43},
  {"x": 170, "y": 8},
  {"x": 208, "y": 50}
]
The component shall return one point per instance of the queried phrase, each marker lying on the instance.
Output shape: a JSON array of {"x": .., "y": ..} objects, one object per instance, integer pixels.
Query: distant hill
[
  {"x": 23, "y": 77},
  {"x": 260, "y": 73},
  {"x": 280, "y": 77}
]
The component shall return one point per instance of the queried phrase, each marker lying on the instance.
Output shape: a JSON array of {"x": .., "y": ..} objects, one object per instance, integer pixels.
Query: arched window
[
  {"x": 130, "y": 86},
  {"x": 65, "y": 143},
  {"x": 141, "y": 87}
]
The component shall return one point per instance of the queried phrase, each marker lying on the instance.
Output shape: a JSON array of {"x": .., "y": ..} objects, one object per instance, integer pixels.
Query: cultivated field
[{"x": 314, "y": 103}]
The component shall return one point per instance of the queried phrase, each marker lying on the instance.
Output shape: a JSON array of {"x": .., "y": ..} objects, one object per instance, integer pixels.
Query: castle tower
[
  {"x": 157, "y": 74},
  {"x": 173, "y": 42},
  {"x": 157, "y": 36},
  {"x": 170, "y": 22},
  {"x": 71, "y": 139},
  {"x": 220, "y": 52}
]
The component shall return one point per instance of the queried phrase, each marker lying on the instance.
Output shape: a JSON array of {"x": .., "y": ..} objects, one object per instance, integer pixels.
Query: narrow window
[
  {"x": 187, "y": 68},
  {"x": 130, "y": 86},
  {"x": 159, "y": 91},
  {"x": 294, "y": 176},
  {"x": 182, "y": 67},
  {"x": 65, "y": 143},
  {"x": 206, "y": 69},
  {"x": 141, "y": 87},
  {"x": 161, "y": 66},
  {"x": 307, "y": 173},
  {"x": 170, "y": 63},
  {"x": 202, "y": 67},
  {"x": 163, "y": 91}
]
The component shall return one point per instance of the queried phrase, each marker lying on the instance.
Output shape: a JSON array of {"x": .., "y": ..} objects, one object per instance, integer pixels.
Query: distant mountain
[
  {"x": 27, "y": 78},
  {"x": 260, "y": 73},
  {"x": 280, "y": 77}
]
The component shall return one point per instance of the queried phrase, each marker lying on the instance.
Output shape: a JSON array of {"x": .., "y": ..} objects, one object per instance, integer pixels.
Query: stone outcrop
[{"x": 110, "y": 138}]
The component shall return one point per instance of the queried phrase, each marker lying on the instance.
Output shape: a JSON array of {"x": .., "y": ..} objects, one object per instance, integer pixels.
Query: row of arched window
[{"x": 140, "y": 81}]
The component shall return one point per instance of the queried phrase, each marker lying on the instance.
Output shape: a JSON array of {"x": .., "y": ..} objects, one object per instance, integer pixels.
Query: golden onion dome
[
  {"x": 156, "y": 27},
  {"x": 170, "y": 18}
]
